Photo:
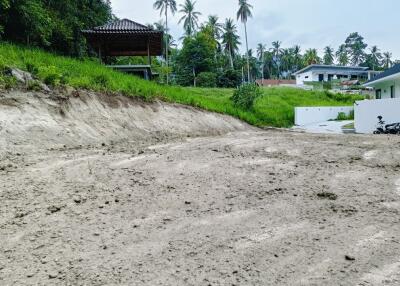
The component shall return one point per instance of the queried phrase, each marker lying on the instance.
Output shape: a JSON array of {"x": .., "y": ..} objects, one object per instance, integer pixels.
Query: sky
[{"x": 308, "y": 23}]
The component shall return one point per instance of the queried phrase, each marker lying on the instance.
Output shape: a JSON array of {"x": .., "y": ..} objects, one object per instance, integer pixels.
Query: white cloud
[{"x": 309, "y": 23}]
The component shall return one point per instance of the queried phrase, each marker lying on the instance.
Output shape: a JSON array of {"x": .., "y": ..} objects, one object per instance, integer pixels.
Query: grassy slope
[{"x": 275, "y": 108}]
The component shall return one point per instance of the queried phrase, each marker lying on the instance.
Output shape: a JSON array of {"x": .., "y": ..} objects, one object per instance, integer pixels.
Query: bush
[
  {"x": 50, "y": 75},
  {"x": 101, "y": 79},
  {"x": 7, "y": 81},
  {"x": 3, "y": 66},
  {"x": 343, "y": 97},
  {"x": 30, "y": 67},
  {"x": 229, "y": 79},
  {"x": 206, "y": 79},
  {"x": 344, "y": 116},
  {"x": 246, "y": 95},
  {"x": 34, "y": 85}
]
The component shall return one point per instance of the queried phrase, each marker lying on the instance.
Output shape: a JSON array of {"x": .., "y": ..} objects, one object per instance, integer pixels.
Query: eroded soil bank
[{"x": 99, "y": 190}]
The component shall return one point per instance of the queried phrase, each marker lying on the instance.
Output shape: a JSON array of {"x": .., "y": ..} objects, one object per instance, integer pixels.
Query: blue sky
[{"x": 309, "y": 23}]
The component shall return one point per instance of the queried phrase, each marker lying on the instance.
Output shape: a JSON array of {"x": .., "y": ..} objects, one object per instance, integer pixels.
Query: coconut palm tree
[
  {"x": 243, "y": 14},
  {"x": 329, "y": 56},
  {"x": 159, "y": 26},
  {"x": 190, "y": 17},
  {"x": 342, "y": 55},
  {"x": 375, "y": 57},
  {"x": 260, "y": 53},
  {"x": 165, "y": 6},
  {"x": 288, "y": 61},
  {"x": 387, "y": 60},
  {"x": 215, "y": 26},
  {"x": 297, "y": 58},
  {"x": 311, "y": 57},
  {"x": 230, "y": 39},
  {"x": 277, "y": 52}
]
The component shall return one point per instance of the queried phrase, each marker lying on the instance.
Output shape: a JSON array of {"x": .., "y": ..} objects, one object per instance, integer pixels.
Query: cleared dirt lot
[{"x": 95, "y": 192}]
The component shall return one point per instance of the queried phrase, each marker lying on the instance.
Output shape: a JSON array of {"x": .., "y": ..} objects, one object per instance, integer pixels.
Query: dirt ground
[{"x": 100, "y": 191}]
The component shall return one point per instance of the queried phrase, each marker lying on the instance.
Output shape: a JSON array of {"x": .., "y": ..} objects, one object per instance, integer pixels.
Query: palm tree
[
  {"x": 311, "y": 57},
  {"x": 164, "y": 6},
  {"x": 159, "y": 26},
  {"x": 277, "y": 51},
  {"x": 190, "y": 17},
  {"x": 243, "y": 14},
  {"x": 329, "y": 57},
  {"x": 230, "y": 39},
  {"x": 215, "y": 26},
  {"x": 297, "y": 58},
  {"x": 342, "y": 55},
  {"x": 375, "y": 57},
  {"x": 260, "y": 53},
  {"x": 387, "y": 60}
]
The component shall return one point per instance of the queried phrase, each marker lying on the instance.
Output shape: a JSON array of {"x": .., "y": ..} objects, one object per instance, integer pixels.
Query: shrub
[
  {"x": 3, "y": 66},
  {"x": 344, "y": 116},
  {"x": 30, "y": 67},
  {"x": 7, "y": 81},
  {"x": 50, "y": 75},
  {"x": 34, "y": 85},
  {"x": 343, "y": 97},
  {"x": 206, "y": 79},
  {"x": 229, "y": 79},
  {"x": 101, "y": 80},
  {"x": 246, "y": 95}
]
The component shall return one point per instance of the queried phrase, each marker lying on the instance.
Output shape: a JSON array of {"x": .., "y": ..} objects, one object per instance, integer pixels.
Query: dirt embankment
[
  {"x": 101, "y": 190},
  {"x": 37, "y": 120}
]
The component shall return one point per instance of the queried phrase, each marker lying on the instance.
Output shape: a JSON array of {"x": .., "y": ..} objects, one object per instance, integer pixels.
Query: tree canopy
[{"x": 53, "y": 25}]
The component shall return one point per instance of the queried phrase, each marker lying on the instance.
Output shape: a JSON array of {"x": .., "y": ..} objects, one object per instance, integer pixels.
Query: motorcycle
[{"x": 383, "y": 128}]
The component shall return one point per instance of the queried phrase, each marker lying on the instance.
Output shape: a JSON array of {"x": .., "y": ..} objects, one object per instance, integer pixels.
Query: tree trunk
[
  {"x": 166, "y": 42},
  {"x": 262, "y": 72},
  {"x": 230, "y": 57},
  {"x": 247, "y": 52}
]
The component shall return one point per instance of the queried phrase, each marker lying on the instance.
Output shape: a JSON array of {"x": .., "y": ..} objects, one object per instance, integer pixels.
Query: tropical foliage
[
  {"x": 53, "y": 25},
  {"x": 207, "y": 50}
]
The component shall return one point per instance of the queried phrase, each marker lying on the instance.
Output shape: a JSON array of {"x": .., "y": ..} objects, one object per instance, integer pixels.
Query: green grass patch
[
  {"x": 348, "y": 126},
  {"x": 274, "y": 108}
]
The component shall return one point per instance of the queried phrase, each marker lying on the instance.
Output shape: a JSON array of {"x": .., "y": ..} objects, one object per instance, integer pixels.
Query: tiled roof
[
  {"x": 121, "y": 26},
  {"x": 392, "y": 71}
]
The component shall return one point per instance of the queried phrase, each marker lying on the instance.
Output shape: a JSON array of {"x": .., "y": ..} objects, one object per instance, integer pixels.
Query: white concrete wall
[
  {"x": 304, "y": 77},
  {"x": 309, "y": 115},
  {"x": 367, "y": 111}
]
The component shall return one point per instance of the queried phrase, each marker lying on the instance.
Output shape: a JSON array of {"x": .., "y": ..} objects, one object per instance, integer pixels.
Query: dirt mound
[{"x": 38, "y": 120}]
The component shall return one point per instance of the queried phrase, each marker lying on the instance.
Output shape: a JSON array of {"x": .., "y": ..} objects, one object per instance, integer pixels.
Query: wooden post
[
  {"x": 100, "y": 55},
  {"x": 148, "y": 51}
]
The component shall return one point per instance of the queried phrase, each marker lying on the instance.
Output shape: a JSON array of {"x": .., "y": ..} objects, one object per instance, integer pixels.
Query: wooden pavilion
[{"x": 126, "y": 38}]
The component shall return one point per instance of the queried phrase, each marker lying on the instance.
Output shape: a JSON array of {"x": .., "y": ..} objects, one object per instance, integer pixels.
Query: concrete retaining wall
[
  {"x": 367, "y": 111},
  {"x": 309, "y": 115}
]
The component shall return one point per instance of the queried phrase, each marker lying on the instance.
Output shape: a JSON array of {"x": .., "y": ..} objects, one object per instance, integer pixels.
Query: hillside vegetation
[{"x": 274, "y": 108}]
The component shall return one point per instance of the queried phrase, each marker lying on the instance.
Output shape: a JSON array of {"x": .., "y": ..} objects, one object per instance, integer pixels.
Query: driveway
[{"x": 327, "y": 127}]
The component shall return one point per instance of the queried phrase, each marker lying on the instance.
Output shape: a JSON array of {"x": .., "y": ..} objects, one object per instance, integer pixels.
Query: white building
[
  {"x": 386, "y": 84},
  {"x": 387, "y": 103},
  {"x": 320, "y": 73}
]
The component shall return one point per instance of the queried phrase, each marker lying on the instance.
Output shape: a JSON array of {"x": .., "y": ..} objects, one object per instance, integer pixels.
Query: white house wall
[
  {"x": 366, "y": 113},
  {"x": 385, "y": 88},
  {"x": 304, "y": 77},
  {"x": 313, "y": 75}
]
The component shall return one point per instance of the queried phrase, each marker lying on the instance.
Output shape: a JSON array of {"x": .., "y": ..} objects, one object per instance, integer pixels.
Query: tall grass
[{"x": 274, "y": 108}]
